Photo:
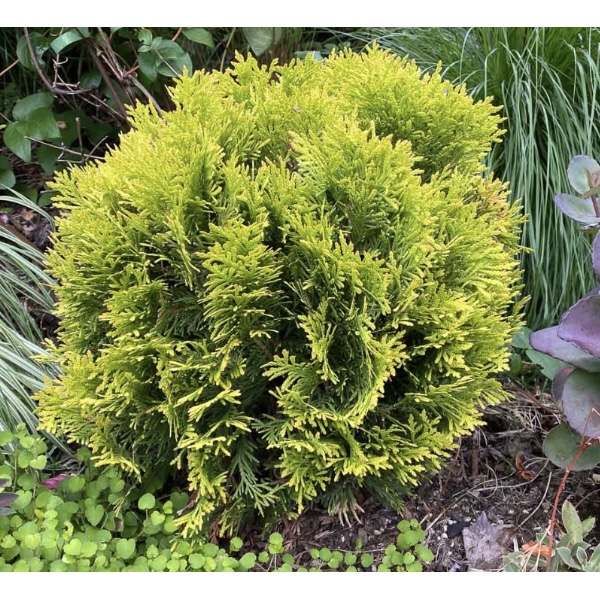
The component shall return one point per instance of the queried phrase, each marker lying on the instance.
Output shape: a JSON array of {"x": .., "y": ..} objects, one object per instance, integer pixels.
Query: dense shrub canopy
[{"x": 295, "y": 285}]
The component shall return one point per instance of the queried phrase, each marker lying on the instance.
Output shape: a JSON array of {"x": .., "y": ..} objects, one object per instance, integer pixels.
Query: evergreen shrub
[{"x": 295, "y": 285}]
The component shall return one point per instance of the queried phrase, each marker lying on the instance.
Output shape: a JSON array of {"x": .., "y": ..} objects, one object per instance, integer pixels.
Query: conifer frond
[{"x": 295, "y": 285}]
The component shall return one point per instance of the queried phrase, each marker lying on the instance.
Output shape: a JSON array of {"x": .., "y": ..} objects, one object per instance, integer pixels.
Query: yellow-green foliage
[{"x": 294, "y": 285}]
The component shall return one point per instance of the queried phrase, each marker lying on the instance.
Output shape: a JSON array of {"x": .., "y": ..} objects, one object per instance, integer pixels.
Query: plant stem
[
  {"x": 596, "y": 208},
  {"x": 582, "y": 448}
]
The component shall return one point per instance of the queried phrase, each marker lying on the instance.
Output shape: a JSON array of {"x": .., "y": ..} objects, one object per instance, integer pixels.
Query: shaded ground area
[{"x": 499, "y": 473}]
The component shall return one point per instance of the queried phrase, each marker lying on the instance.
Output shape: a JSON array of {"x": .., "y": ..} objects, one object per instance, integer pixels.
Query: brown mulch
[{"x": 499, "y": 473}]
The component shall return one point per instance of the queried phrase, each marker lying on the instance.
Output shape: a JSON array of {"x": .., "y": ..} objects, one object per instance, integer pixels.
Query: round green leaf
[
  {"x": 562, "y": 444},
  {"x": 116, "y": 485},
  {"x": 276, "y": 539},
  {"x": 236, "y": 544},
  {"x": 210, "y": 564},
  {"x": 6, "y": 437},
  {"x": 146, "y": 502},
  {"x": 325, "y": 554},
  {"x": 210, "y": 550},
  {"x": 38, "y": 463},
  {"x": 366, "y": 560},
  {"x": 125, "y": 548},
  {"x": 75, "y": 483},
  {"x": 196, "y": 561},
  {"x": 73, "y": 547},
  {"x": 94, "y": 514},
  {"x": 248, "y": 561},
  {"x": 156, "y": 518}
]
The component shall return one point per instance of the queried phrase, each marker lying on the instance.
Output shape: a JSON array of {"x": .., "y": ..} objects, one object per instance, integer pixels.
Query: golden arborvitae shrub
[{"x": 295, "y": 285}]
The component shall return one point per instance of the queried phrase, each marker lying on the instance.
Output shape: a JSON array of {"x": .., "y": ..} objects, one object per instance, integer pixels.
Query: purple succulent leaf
[
  {"x": 583, "y": 173},
  {"x": 581, "y": 402},
  {"x": 558, "y": 384},
  {"x": 596, "y": 256},
  {"x": 579, "y": 209},
  {"x": 549, "y": 342},
  {"x": 580, "y": 325}
]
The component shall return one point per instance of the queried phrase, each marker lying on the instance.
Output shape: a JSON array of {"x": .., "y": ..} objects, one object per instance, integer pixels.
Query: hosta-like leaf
[
  {"x": 581, "y": 402},
  {"x": 581, "y": 325},
  {"x": 562, "y": 444},
  {"x": 549, "y": 342},
  {"x": 578, "y": 209},
  {"x": 583, "y": 173}
]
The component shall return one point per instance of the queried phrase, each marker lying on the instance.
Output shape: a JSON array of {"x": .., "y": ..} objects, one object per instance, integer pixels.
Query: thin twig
[
  {"x": 107, "y": 80},
  {"x": 52, "y": 88},
  {"x": 5, "y": 71},
  {"x": 539, "y": 503},
  {"x": 174, "y": 38}
]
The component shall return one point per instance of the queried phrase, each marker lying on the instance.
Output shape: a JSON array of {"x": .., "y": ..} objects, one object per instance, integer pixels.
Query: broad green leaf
[
  {"x": 262, "y": 38},
  {"x": 199, "y": 35},
  {"x": 41, "y": 125},
  {"x": 147, "y": 63},
  {"x": 90, "y": 80},
  {"x": 7, "y": 179},
  {"x": 26, "y": 106},
  {"x": 236, "y": 544},
  {"x": 39, "y": 43},
  {"x": 145, "y": 36},
  {"x": 38, "y": 463},
  {"x": 15, "y": 140},
  {"x": 548, "y": 365},
  {"x": 173, "y": 59},
  {"x": 62, "y": 42},
  {"x": 73, "y": 547},
  {"x": 6, "y": 437},
  {"x": 157, "y": 518}
]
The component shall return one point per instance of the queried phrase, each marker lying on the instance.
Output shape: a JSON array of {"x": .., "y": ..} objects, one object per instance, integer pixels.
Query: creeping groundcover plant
[{"x": 294, "y": 286}]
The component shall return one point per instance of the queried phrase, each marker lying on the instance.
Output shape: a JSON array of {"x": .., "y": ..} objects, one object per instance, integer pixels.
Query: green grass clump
[{"x": 546, "y": 79}]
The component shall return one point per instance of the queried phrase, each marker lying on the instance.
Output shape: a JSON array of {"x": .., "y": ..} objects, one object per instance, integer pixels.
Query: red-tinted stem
[{"x": 596, "y": 208}]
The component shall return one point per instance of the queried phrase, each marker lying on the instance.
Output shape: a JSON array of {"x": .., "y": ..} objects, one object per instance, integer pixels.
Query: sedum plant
[
  {"x": 296, "y": 285},
  {"x": 575, "y": 342}
]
